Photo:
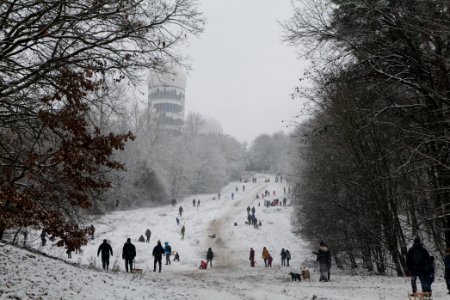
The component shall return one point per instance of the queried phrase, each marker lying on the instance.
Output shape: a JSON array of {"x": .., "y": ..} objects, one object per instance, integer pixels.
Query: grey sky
[{"x": 242, "y": 74}]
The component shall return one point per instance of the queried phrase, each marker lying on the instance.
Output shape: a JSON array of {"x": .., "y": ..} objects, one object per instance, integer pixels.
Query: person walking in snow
[
  {"x": 209, "y": 257},
  {"x": 416, "y": 261},
  {"x": 237, "y": 189},
  {"x": 283, "y": 258},
  {"x": 193, "y": 203},
  {"x": 253, "y": 210},
  {"x": 447, "y": 268},
  {"x": 248, "y": 210},
  {"x": 269, "y": 260},
  {"x": 106, "y": 250},
  {"x": 148, "y": 234},
  {"x": 232, "y": 196},
  {"x": 25, "y": 237},
  {"x": 157, "y": 253},
  {"x": 429, "y": 274},
  {"x": 43, "y": 238},
  {"x": 183, "y": 230},
  {"x": 324, "y": 260},
  {"x": 243, "y": 188},
  {"x": 288, "y": 258},
  {"x": 198, "y": 203},
  {"x": 128, "y": 254},
  {"x": 178, "y": 220},
  {"x": 167, "y": 252},
  {"x": 180, "y": 210},
  {"x": 252, "y": 257},
  {"x": 265, "y": 255}
]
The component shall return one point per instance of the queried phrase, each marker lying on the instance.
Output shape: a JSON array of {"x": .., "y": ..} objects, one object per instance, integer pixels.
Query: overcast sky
[{"x": 242, "y": 74}]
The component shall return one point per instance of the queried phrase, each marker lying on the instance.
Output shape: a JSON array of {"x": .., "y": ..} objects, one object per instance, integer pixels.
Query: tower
[{"x": 166, "y": 99}]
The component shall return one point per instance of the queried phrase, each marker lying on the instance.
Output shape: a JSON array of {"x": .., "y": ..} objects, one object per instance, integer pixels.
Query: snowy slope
[{"x": 25, "y": 275}]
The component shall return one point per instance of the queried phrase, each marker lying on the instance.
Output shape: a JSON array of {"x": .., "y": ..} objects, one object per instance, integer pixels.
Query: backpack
[{"x": 168, "y": 249}]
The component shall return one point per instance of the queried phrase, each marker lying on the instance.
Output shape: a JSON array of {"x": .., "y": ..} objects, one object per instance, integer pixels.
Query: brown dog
[
  {"x": 420, "y": 296},
  {"x": 305, "y": 274}
]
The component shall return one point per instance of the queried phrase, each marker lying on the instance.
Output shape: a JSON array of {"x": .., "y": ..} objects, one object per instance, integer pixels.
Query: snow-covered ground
[{"x": 26, "y": 275}]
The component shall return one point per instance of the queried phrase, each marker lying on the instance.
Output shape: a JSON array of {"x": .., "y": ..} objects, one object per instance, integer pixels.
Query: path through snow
[{"x": 25, "y": 275}]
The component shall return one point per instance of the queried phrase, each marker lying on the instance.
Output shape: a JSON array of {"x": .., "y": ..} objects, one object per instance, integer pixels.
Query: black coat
[
  {"x": 417, "y": 259},
  {"x": 158, "y": 252},
  {"x": 324, "y": 256},
  {"x": 128, "y": 251},
  {"x": 209, "y": 254},
  {"x": 105, "y": 249}
]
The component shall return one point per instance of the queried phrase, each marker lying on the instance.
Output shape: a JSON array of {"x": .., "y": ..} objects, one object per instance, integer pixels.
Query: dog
[
  {"x": 295, "y": 276},
  {"x": 420, "y": 296},
  {"x": 305, "y": 274}
]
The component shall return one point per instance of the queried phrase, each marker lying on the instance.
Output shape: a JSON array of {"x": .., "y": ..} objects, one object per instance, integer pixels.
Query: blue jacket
[{"x": 167, "y": 248}]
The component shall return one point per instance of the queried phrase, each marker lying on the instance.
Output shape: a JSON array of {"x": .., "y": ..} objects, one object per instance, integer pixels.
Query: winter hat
[
  {"x": 128, "y": 240},
  {"x": 322, "y": 243},
  {"x": 417, "y": 240}
]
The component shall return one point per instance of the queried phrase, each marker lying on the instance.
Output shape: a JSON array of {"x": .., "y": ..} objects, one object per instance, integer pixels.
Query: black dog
[{"x": 295, "y": 276}]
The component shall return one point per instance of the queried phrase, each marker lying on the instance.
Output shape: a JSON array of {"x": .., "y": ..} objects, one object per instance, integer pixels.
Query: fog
[{"x": 242, "y": 73}]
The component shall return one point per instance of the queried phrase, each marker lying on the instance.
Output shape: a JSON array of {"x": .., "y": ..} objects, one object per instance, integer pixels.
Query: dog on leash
[
  {"x": 305, "y": 274},
  {"x": 295, "y": 276}
]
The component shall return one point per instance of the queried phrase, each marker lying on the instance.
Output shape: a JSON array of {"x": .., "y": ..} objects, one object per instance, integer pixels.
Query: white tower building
[{"x": 166, "y": 99}]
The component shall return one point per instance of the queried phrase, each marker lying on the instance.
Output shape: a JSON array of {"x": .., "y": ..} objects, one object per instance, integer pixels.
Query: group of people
[
  {"x": 251, "y": 218},
  {"x": 285, "y": 257},
  {"x": 129, "y": 254},
  {"x": 268, "y": 259},
  {"x": 194, "y": 203},
  {"x": 209, "y": 259}
]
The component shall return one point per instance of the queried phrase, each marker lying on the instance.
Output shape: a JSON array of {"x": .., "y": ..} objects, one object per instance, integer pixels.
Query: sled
[
  {"x": 137, "y": 271},
  {"x": 419, "y": 296},
  {"x": 203, "y": 265}
]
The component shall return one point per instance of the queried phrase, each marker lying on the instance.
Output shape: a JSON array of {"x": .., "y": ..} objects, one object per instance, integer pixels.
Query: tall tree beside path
[
  {"x": 382, "y": 94},
  {"x": 54, "y": 56}
]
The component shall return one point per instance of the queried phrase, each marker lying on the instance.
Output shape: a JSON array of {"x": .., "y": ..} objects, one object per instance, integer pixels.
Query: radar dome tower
[{"x": 166, "y": 99}]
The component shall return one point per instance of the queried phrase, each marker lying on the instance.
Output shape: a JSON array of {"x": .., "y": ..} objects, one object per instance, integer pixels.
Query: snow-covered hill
[{"x": 26, "y": 275}]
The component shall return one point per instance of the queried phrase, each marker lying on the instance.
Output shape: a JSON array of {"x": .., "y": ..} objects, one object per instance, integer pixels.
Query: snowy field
[{"x": 26, "y": 275}]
